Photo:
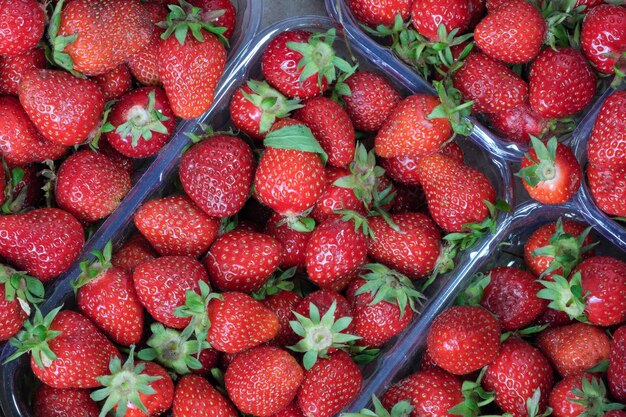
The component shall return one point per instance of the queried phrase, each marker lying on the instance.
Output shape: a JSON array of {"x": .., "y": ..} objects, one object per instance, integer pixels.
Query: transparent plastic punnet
[
  {"x": 157, "y": 179},
  {"x": 14, "y": 391}
]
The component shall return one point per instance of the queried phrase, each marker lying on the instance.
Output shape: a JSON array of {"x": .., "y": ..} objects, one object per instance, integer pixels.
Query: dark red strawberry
[
  {"x": 292, "y": 241},
  {"x": 70, "y": 402},
  {"x": 115, "y": 82},
  {"x": 134, "y": 252},
  {"x": 195, "y": 397},
  {"x": 375, "y": 12},
  {"x": 519, "y": 123},
  {"x": 22, "y": 23},
  {"x": 13, "y": 68},
  {"x": 581, "y": 394},
  {"x": 608, "y": 188},
  {"x": 617, "y": 365},
  {"x": 607, "y": 145},
  {"x": 603, "y": 36},
  {"x": 372, "y": 98},
  {"x": 428, "y": 15}
]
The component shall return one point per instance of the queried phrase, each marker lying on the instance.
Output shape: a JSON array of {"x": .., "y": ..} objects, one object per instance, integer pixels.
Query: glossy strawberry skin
[
  {"x": 607, "y": 145},
  {"x": 427, "y": 15},
  {"x": 57, "y": 234},
  {"x": 403, "y": 169},
  {"x": 227, "y": 20},
  {"x": 176, "y": 226},
  {"x": 335, "y": 197},
  {"x": 608, "y": 188},
  {"x": 144, "y": 65},
  {"x": 372, "y": 98},
  {"x": 12, "y": 316},
  {"x": 283, "y": 305},
  {"x": 603, "y": 36},
  {"x": 159, "y": 402},
  {"x": 71, "y": 402},
  {"x": 515, "y": 374},
  {"x": 617, "y": 365},
  {"x": 195, "y": 397},
  {"x": 375, "y": 12},
  {"x": 519, "y": 123},
  {"x": 562, "y": 393},
  {"x": 162, "y": 283},
  {"x": 292, "y": 241},
  {"x": 134, "y": 252},
  {"x": 293, "y": 410},
  {"x": 323, "y": 300},
  {"x": 13, "y": 68},
  {"x": 245, "y": 115},
  {"x": 115, "y": 82},
  {"x": 23, "y": 24}
]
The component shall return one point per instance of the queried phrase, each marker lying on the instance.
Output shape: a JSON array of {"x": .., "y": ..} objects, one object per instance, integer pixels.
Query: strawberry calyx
[
  {"x": 104, "y": 126},
  {"x": 278, "y": 282},
  {"x": 566, "y": 296},
  {"x": 452, "y": 108},
  {"x": 319, "y": 57},
  {"x": 401, "y": 409},
  {"x": 475, "y": 398},
  {"x": 196, "y": 306},
  {"x": 567, "y": 250},
  {"x": 50, "y": 179},
  {"x": 362, "y": 354},
  {"x": 295, "y": 137},
  {"x": 56, "y": 54},
  {"x": 593, "y": 396},
  {"x": 473, "y": 294},
  {"x": 563, "y": 19},
  {"x": 620, "y": 70},
  {"x": 18, "y": 286},
  {"x": 12, "y": 204},
  {"x": 320, "y": 334},
  {"x": 173, "y": 349},
  {"x": 272, "y": 103},
  {"x": 360, "y": 222},
  {"x": 92, "y": 270},
  {"x": 544, "y": 165},
  {"x": 142, "y": 122},
  {"x": 184, "y": 17},
  {"x": 124, "y": 385},
  {"x": 525, "y": 332},
  {"x": 532, "y": 405},
  {"x": 340, "y": 89},
  {"x": 388, "y": 285},
  {"x": 299, "y": 222}
]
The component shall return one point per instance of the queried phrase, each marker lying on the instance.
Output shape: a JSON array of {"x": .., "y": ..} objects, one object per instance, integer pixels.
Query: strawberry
[
  {"x": 607, "y": 145},
  {"x": 195, "y": 397},
  {"x": 519, "y": 123},
  {"x": 293, "y": 410},
  {"x": 67, "y": 350},
  {"x": 431, "y": 392},
  {"x": 190, "y": 64},
  {"x": 242, "y": 261},
  {"x": 608, "y": 188},
  {"x": 293, "y": 242},
  {"x": 550, "y": 172},
  {"x": 56, "y": 233},
  {"x": 557, "y": 247},
  {"x": 374, "y": 12},
  {"x": 176, "y": 226},
  {"x": 518, "y": 372},
  {"x": 105, "y": 148},
  {"x": 372, "y": 98},
  {"x": 603, "y": 36},
  {"x": 456, "y": 194},
  {"x": 412, "y": 247},
  {"x": 490, "y": 84},
  {"x": 554, "y": 318},
  {"x": 162, "y": 284},
  {"x": 71, "y": 402},
  {"x": 133, "y": 253},
  {"x": 329, "y": 386},
  {"x": 17, "y": 292},
  {"x": 144, "y": 65},
  {"x": 239, "y": 322},
  {"x": 410, "y": 131},
  {"x": 280, "y": 371},
  {"x": 332, "y": 128},
  {"x": 23, "y": 189},
  {"x": 561, "y": 83},
  {"x": 323, "y": 300},
  {"x": 22, "y": 23},
  {"x": 335, "y": 197},
  {"x": 403, "y": 169},
  {"x": 115, "y": 82},
  {"x": 227, "y": 14},
  {"x": 20, "y": 141},
  {"x": 581, "y": 394},
  {"x": 428, "y": 15},
  {"x": 65, "y": 109},
  {"x": 335, "y": 251},
  {"x": 574, "y": 348},
  {"x": 463, "y": 339},
  {"x": 283, "y": 304},
  {"x": 143, "y": 121},
  {"x": 216, "y": 173},
  {"x": 90, "y": 186},
  {"x": 13, "y": 68},
  {"x": 617, "y": 365}
]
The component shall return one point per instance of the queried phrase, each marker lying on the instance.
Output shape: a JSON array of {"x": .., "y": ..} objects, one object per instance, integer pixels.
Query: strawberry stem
[{"x": 196, "y": 306}]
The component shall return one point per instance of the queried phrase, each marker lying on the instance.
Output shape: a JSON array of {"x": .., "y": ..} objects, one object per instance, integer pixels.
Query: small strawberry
[
  {"x": 283, "y": 304},
  {"x": 216, "y": 174},
  {"x": 323, "y": 300},
  {"x": 176, "y": 226},
  {"x": 574, "y": 348},
  {"x": 581, "y": 394},
  {"x": 17, "y": 292},
  {"x": 463, "y": 339},
  {"x": 71, "y": 402},
  {"x": 519, "y": 123},
  {"x": 335, "y": 198},
  {"x": 22, "y": 23},
  {"x": 428, "y": 16},
  {"x": 617, "y": 365},
  {"x": 115, "y": 83},
  {"x": 561, "y": 83},
  {"x": 13, "y": 68},
  {"x": 195, "y": 397},
  {"x": 56, "y": 233},
  {"x": 222, "y": 13},
  {"x": 608, "y": 188},
  {"x": 293, "y": 242},
  {"x": 133, "y": 253},
  {"x": 375, "y": 12},
  {"x": 607, "y": 145},
  {"x": 603, "y": 36}
]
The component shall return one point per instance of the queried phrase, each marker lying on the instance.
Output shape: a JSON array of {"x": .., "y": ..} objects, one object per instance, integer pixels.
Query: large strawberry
[
  {"x": 22, "y": 23},
  {"x": 217, "y": 174},
  {"x": 617, "y": 365},
  {"x": 608, "y": 188},
  {"x": 115, "y": 83},
  {"x": 428, "y": 15},
  {"x": 581, "y": 394},
  {"x": 607, "y": 145},
  {"x": 56, "y": 233},
  {"x": 17, "y": 292},
  {"x": 13, "y": 68},
  {"x": 375, "y": 12},
  {"x": 65, "y": 109},
  {"x": 603, "y": 36},
  {"x": 195, "y": 397},
  {"x": 70, "y": 402}
]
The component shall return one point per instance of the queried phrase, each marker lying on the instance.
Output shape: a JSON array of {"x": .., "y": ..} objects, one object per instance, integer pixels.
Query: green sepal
[
  {"x": 401, "y": 409},
  {"x": 363, "y": 355},
  {"x": 295, "y": 137},
  {"x": 473, "y": 294},
  {"x": 91, "y": 270},
  {"x": 271, "y": 102},
  {"x": 18, "y": 286},
  {"x": 105, "y": 126},
  {"x": 543, "y": 167},
  {"x": 340, "y": 89},
  {"x": 452, "y": 108},
  {"x": 56, "y": 54},
  {"x": 593, "y": 397},
  {"x": 279, "y": 281},
  {"x": 566, "y": 296},
  {"x": 532, "y": 405},
  {"x": 13, "y": 204},
  {"x": 184, "y": 18},
  {"x": 600, "y": 367},
  {"x": 35, "y": 337},
  {"x": 143, "y": 127},
  {"x": 475, "y": 398},
  {"x": 196, "y": 306}
]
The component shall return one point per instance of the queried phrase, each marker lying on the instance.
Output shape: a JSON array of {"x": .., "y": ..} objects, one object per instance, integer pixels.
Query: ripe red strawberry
[
  {"x": 550, "y": 172},
  {"x": 335, "y": 251},
  {"x": 115, "y": 82},
  {"x": 607, "y": 145},
  {"x": 519, "y": 123},
  {"x": 374, "y": 12},
  {"x": 408, "y": 131},
  {"x": 227, "y": 19},
  {"x": 372, "y": 98},
  {"x": 431, "y": 392},
  {"x": 239, "y": 322},
  {"x": 162, "y": 285},
  {"x": 617, "y": 365},
  {"x": 608, "y": 188},
  {"x": 17, "y": 292},
  {"x": 242, "y": 261},
  {"x": 13, "y": 68},
  {"x": 403, "y": 169},
  {"x": 463, "y": 339},
  {"x": 516, "y": 374},
  {"x": 56, "y": 233},
  {"x": 293, "y": 242},
  {"x": 603, "y": 36},
  {"x": 283, "y": 305},
  {"x": 329, "y": 386},
  {"x": 22, "y": 23},
  {"x": 513, "y": 33},
  {"x": 335, "y": 197},
  {"x": 428, "y": 15},
  {"x": 293, "y": 410},
  {"x": 106, "y": 34},
  {"x": 574, "y": 348},
  {"x": 492, "y": 86},
  {"x": 71, "y": 402},
  {"x": 90, "y": 186},
  {"x": 20, "y": 141},
  {"x": 216, "y": 174},
  {"x": 561, "y": 83},
  {"x": 455, "y": 193},
  {"x": 176, "y": 226},
  {"x": 581, "y": 394},
  {"x": 323, "y": 300},
  {"x": 105, "y": 148},
  {"x": 67, "y": 350},
  {"x": 281, "y": 373},
  {"x": 332, "y": 128},
  {"x": 142, "y": 122},
  {"x": 195, "y": 397},
  {"x": 65, "y": 109},
  {"x": 144, "y": 65},
  {"x": 134, "y": 252}
]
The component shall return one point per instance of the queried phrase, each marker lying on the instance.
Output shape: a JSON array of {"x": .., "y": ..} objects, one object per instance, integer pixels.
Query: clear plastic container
[{"x": 14, "y": 391}]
